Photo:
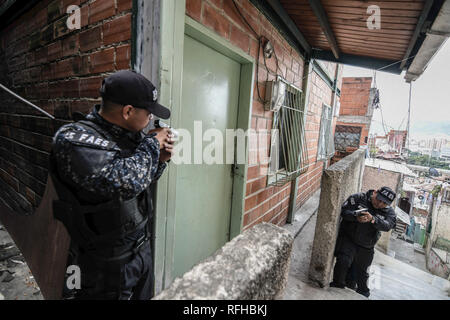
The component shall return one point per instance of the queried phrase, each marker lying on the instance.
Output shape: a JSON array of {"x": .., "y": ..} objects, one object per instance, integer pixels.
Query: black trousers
[
  {"x": 130, "y": 281},
  {"x": 352, "y": 262}
]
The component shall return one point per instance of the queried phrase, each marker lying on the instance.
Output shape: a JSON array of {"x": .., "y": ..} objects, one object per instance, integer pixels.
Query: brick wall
[
  {"x": 262, "y": 203},
  {"x": 355, "y": 96},
  {"x": 59, "y": 70},
  {"x": 354, "y": 110},
  {"x": 355, "y": 102},
  {"x": 319, "y": 93}
]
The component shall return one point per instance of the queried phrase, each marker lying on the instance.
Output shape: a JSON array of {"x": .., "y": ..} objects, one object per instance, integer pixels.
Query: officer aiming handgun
[{"x": 102, "y": 167}]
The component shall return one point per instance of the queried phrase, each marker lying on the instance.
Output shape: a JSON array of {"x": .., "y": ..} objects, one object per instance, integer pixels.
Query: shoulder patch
[
  {"x": 90, "y": 140},
  {"x": 352, "y": 201}
]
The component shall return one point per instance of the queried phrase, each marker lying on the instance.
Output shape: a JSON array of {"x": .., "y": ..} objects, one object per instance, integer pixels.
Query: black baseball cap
[
  {"x": 129, "y": 87},
  {"x": 386, "y": 195}
]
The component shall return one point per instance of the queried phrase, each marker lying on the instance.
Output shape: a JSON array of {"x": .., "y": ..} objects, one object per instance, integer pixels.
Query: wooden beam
[
  {"x": 290, "y": 25},
  {"x": 359, "y": 61},
  {"x": 321, "y": 15},
  {"x": 417, "y": 32}
]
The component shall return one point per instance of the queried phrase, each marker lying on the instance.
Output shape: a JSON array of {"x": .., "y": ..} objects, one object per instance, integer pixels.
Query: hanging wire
[{"x": 261, "y": 41}]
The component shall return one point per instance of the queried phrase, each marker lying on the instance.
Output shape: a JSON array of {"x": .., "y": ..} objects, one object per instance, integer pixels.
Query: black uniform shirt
[
  {"x": 100, "y": 169},
  {"x": 365, "y": 234}
]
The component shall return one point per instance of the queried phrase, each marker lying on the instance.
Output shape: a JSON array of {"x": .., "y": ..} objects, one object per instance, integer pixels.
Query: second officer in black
[{"x": 358, "y": 234}]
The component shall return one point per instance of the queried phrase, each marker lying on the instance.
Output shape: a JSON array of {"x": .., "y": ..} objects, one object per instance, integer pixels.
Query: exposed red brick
[
  {"x": 215, "y": 20},
  {"x": 102, "y": 61},
  {"x": 123, "y": 57},
  {"x": 71, "y": 45},
  {"x": 90, "y": 39},
  {"x": 90, "y": 87},
  {"x": 239, "y": 39},
  {"x": 194, "y": 9},
  {"x": 117, "y": 30},
  {"x": 54, "y": 51},
  {"x": 100, "y": 10},
  {"x": 124, "y": 5}
]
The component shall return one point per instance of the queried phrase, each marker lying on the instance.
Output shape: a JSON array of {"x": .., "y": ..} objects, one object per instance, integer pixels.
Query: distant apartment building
[
  {"x": 397, "y": 140},
  {"x": 445, "y": 151}
]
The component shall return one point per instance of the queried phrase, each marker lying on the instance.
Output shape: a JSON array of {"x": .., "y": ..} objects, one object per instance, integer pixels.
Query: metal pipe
[{"x": 26, "y": 101}]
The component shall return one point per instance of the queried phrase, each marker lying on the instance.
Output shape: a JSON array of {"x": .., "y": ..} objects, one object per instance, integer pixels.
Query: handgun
[
  {"x": 359, "y": 212},
  {"x": 160, "y": 124}
]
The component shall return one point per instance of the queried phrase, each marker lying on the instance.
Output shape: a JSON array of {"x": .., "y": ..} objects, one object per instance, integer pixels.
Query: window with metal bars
[
  {"x": 325, "y": 148},
  {"x": 288, "y": 151}
]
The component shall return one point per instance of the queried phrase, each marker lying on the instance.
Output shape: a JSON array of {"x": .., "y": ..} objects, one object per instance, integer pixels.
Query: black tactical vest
[{"x": 95, "y": 227}]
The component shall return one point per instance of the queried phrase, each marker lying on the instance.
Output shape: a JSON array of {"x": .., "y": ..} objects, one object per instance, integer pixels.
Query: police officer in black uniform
[
  {"x": 102, "y": 167},
  {"x": 358, "y": 234}
]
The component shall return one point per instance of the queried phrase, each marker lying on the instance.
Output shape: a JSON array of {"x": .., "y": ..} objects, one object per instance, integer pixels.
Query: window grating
[
  {"x": 288, "y": 154},
  {"x": 325, "y": 148}
]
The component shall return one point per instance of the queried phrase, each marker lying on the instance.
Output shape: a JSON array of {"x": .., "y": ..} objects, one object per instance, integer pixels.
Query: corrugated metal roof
[
  {"x": 390, "y": 166},
  {"x": 402, "y": 216}
]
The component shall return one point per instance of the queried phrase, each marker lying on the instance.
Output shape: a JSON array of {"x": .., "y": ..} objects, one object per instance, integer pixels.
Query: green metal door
[{"x": 203, "y": 205}]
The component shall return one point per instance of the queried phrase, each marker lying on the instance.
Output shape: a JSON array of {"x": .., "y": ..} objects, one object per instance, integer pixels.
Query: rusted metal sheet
[{"x": 43, "y": 241}]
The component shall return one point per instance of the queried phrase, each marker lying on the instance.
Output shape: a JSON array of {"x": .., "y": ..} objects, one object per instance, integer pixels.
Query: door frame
[{"x": 174, "y": 25}]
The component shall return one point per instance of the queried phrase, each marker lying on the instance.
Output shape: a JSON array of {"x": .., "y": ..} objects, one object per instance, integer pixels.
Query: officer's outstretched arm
[{"x": 100, "y": 168}]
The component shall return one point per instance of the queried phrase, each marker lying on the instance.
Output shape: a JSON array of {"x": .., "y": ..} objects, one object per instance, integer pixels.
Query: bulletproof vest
[{"x": 93, "y": 227}]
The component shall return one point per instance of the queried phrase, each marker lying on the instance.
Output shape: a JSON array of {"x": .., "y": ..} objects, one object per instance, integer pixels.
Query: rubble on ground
[{"x": 16, "y": 280}]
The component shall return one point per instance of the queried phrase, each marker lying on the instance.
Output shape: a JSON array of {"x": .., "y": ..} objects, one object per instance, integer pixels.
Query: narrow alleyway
[
  {"x": 299, "y": 287},
  {"x": 390, "y": 279},
  {"x": 406, "y": 252},
  {"x": 16, "y": 280}
]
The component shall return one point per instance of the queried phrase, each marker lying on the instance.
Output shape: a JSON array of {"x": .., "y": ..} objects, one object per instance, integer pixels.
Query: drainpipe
[{"x": 307, "y": 70}]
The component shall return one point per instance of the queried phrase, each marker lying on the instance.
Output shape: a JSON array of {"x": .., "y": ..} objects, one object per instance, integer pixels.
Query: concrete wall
[
  {"x": 442, "y": 221},
  {"x": 254, "y": 265},
  {"x": 436, "y": 263},
  {"x": 338, "y": 182}
]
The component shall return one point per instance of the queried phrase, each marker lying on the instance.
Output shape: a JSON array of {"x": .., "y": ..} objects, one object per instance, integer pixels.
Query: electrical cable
[{"x": 261, "y": 39}]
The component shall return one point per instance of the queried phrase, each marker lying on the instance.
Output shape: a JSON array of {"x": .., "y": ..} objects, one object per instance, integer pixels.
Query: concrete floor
[
  {"x": 299, "y": 287},
  {"x": 404, "y": 251},
  {"x": 16, "y": 280},
  {"x": 392, "y": 279}
]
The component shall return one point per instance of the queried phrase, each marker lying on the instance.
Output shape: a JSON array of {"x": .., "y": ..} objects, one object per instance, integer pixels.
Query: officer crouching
[
  {"x": 364, "y": 215},
  {"x": 102, "y": 167}
]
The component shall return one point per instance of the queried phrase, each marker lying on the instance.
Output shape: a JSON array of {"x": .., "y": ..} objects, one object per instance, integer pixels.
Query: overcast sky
[{"x": 430, "y": 103}]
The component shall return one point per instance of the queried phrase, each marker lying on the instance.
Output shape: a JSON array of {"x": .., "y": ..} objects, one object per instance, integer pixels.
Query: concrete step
[
  {"x": 392, "y": 279},
  {"x": 300, "y": 290}
]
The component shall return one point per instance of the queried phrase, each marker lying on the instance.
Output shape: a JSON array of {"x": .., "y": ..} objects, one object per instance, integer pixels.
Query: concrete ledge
[
  {"x": 254, "y": 265},
  {"x": 338, "y": 182}
]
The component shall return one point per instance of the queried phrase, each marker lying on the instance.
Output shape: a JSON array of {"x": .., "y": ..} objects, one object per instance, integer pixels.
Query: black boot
[{"x": 337, "y": 285}]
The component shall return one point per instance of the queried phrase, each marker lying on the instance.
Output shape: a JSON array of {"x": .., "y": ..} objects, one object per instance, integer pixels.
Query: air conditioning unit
[{"x": 275, "y": 94}]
